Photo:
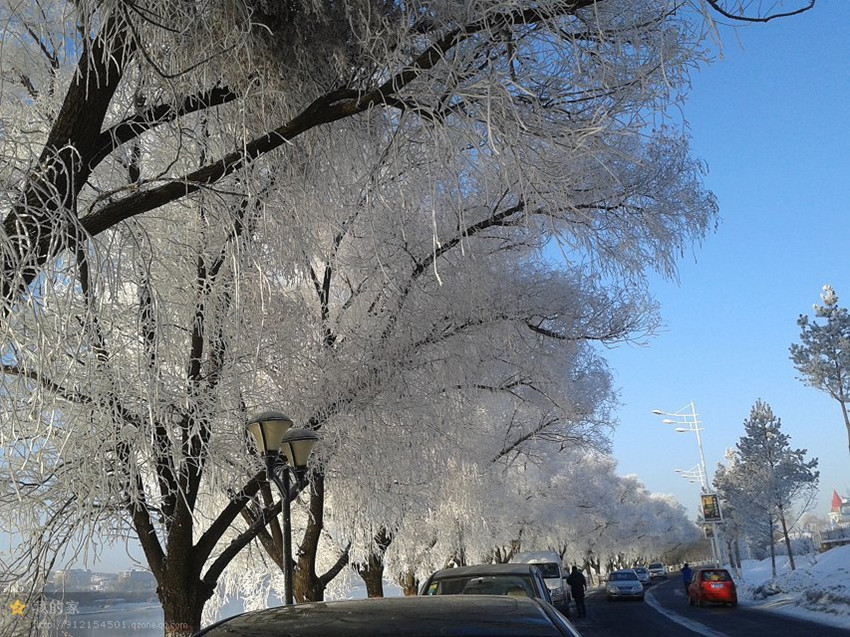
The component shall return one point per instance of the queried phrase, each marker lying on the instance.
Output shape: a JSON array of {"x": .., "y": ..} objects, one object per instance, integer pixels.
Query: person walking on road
[
  {"x": 578, "y": 584},
  {"x": 687, "y": 576}
]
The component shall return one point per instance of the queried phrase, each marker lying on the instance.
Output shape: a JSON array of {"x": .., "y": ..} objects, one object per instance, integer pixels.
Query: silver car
[
  {"x": 624, "y": 584},
  {"x": 643, "y": 575}
]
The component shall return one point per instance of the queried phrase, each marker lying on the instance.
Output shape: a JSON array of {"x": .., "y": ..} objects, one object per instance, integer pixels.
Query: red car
[{"x": 712, "y": 585}]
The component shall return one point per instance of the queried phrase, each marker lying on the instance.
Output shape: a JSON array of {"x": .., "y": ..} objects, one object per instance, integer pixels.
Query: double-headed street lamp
[
  {"x": 687, "y": 420},
  {"x": 693, "y": 475},
  {"x": 285, "y": 449}
]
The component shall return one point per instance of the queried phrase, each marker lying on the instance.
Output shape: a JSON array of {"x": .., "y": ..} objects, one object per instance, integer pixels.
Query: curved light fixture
[
  {"x": 296, "y": 445},
  {"x": 268, "y": 429}
]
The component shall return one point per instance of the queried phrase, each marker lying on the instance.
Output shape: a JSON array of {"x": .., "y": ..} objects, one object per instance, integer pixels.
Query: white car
[
  {"x": 624, "y": 584},
  {"x": 553, "y": 572},
  {"x": 643, "y": 574},
  {"x": 657, "y": 570}
]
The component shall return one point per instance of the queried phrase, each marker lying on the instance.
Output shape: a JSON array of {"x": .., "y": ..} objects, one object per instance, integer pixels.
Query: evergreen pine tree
[
  {"x": 769, "y": 475},
  {"x": 823, "y": 355}
]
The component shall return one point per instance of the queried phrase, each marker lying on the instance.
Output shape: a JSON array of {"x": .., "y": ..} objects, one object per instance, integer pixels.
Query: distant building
[
  {"x": 70, "y": 580},
  {"x": 839, "y": 513},
  {"x": 104, "y": 582},
  {"x": 136, "y": 581},
  {"x": 78, "y": 580}
]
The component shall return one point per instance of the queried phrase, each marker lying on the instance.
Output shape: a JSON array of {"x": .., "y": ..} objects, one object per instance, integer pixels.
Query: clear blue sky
[{"x": 770, "y": 120}]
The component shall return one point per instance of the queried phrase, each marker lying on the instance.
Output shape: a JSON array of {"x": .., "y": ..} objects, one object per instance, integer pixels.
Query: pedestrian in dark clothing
[
  {"x": 577, "y": 587},
  {"x": 687, "y": 576}
]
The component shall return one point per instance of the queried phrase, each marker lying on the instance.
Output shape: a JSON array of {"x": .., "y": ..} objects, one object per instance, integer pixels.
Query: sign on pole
[{"x": 710, "y": 508}]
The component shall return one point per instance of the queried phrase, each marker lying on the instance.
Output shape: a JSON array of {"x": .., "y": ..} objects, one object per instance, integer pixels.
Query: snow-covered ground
[{"x": 818, "y": 590}]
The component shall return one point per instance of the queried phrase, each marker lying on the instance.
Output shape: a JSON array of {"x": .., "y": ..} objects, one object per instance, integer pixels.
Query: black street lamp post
[{"x": 285, "y": 449}]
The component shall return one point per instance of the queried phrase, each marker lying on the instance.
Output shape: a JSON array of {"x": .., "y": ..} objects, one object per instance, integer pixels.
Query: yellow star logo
[{"x": 17, "y": 607}]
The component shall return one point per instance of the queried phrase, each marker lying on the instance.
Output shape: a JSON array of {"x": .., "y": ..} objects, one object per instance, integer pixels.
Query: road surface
[{"x": 666, "y": 613}]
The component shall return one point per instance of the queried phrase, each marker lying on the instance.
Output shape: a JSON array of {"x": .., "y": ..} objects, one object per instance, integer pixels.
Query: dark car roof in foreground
[
  {"x": 484, "y": 569},
  {"x": 449, "y": 616}
]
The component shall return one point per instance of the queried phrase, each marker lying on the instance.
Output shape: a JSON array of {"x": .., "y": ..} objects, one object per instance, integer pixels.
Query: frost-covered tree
[
  {"x": 591, "y": 516},
  {"x": 595, "y": 517},
  {"x": 478, "y": 335},
  {"x": 89, "y": 87},
  {"x": 766, "y": 478},
  {"x": 573, "y": 504},
  {"x": 731, "y": 528},
  {"x": 823, "y": 354},
  {"x": 754, "y": 522},
  {"x": 367, "y": 350},
  {"x": 210, "y": 206}
]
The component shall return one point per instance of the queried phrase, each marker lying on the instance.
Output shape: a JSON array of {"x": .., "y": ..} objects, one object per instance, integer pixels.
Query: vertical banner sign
[{"x": 710, "y": 508}]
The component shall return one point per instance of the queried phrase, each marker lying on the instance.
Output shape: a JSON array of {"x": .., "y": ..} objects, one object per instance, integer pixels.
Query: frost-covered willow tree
[
  {"x": 467, "y": 353},
  {"x": 571, "y": 502},
  {"x": 617, "y": 522},
  {"x": 591, "y": 516},
  {"x": 174, "y": 212}
]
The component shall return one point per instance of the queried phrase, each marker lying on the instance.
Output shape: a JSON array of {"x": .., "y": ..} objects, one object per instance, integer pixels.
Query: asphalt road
[{"x": 666, "y": 613}]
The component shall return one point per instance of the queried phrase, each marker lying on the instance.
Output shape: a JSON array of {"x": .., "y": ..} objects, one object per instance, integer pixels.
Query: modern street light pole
[
  {"x": 692, "y": 424},
  {"x": 285, "y": 449},
  {"x": 687, "y": 419}
]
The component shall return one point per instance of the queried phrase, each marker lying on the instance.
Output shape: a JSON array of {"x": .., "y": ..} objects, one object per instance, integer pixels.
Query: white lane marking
[{"x": 700, "y": 629}]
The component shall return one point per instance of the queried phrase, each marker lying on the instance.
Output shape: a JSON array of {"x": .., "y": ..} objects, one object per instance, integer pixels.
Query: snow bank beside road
[{"x": 818, "y": 590}]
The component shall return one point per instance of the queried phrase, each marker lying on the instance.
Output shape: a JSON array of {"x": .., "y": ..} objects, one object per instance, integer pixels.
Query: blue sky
[{"x": 770, "y": 121}]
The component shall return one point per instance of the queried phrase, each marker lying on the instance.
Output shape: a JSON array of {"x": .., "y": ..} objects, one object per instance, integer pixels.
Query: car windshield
[
  {"x": 656, "y": 565},
  {"x": 621, "y": 576},
  {"x": 549, "y": 570},
  {"x": 716, "y": 576}
]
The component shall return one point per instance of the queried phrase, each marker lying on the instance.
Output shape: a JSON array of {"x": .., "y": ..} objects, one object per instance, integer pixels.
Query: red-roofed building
[{"x": 839, "y": 513}]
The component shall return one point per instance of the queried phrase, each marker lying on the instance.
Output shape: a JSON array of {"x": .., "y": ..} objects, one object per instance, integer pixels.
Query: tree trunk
[
  {"x": 458, "y": 558},
  {"x": 738, "y": 557},
  {"x": 308, "y": 586},
  {"x": 785, "y": 535},
  {"x": 182, "y": 606},
  {"x": 587, "y": 567},
  {"x": 373, "y": 571},
  {"x": 772, "y": 548},
  {"x": 503, "y": 555},
  {"x": 182, "y": 594},
  {"x": 846, "y": 421},
  {"x": 731, "y": 555},
  {"x": 373, "y": 575},
  {"x": 409, "y": 584},
  {"x": 180, "y": 589},
  {"x": 596, "y": 565}
]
